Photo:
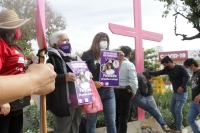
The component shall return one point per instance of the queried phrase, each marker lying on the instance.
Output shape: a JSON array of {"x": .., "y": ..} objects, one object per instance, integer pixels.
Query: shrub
[
  {"x": 100, "y": 119},
  {"x": 163, "y": 103},
  {"x": 32, "y": 115}
]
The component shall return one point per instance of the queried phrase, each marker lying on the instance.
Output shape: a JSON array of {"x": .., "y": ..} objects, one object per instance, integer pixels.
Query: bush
[
  {"x": 32, "y": 115},
  {"x": 163, "y": 103},
  {"x": 100, "y": 120}
]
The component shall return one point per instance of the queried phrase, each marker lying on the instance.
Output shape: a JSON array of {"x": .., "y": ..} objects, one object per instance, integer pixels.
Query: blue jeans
[
  {"x": 141, "y": 102},
  {"x": 177, "y": 103},
  {"x": 192, "y": 115},
  {"x": 109, "y": 108}
]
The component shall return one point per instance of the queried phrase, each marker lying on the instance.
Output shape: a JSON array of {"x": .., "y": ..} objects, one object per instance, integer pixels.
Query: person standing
[
  {"x": 66, "y": 118},
  {"x": 12, "y": 62},
  {"x": 127, "y": 80},
  {"x": 179, "y": 77},
  {"x": 194, "y": 109},
  {"x": 92, "y": 59}
]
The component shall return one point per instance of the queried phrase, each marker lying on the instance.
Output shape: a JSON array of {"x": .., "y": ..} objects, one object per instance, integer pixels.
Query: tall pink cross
[{"x": 138, "y": 34}]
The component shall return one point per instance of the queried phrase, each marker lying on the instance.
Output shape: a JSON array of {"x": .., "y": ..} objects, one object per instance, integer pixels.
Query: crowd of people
[{"x": 56, "y": 80}]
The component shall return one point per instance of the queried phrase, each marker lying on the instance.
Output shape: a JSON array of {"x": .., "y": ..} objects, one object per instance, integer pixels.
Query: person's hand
[
  {"x": 91, "y": 76},
  {"x": 197, "y": 99},
  {"x": 180, "y": 90},
  {"x": 132, "y": 95},
  {"x": 149, "y": 81},
  {"x": 42, "y": 77},
  {"x": 70, "y": 77},
  {"x": 121, "y": 56},
  {"x": 5, "y": 109},
  {"x": 98, "y": 84}
]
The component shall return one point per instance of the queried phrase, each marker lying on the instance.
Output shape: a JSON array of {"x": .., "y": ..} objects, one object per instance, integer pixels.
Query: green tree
[
  {"x": 26, "y": 9},
  {"x": 188, "y": 9},
  {"x": 150, "y": 55}
]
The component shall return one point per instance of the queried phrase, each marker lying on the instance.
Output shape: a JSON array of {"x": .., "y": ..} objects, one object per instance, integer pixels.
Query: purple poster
[
  {"x": 82, "y": 83},
  {"x": 109, "y": 70}
]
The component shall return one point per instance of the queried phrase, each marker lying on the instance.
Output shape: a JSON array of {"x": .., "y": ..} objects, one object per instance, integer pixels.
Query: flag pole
[
  {"x": 41, "y": 39},
  {"x": 43, "y": 118}
]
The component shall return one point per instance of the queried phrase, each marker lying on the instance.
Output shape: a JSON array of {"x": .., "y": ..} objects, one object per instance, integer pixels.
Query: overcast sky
[{"x": 85, "y": 18}]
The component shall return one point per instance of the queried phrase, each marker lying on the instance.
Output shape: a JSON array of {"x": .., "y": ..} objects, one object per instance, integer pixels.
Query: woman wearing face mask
[
  {"x": 66, "y": 118},
  {"x": 12, "y": 62},
  {"x": 92, "y": 58}
]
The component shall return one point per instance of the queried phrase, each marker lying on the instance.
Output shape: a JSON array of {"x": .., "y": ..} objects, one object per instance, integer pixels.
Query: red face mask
[{"x": 17, "y": 34}]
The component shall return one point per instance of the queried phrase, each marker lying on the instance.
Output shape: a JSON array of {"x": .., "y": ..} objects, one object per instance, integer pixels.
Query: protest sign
[
  {"x": 83, "y": 94},
  {"x": 109, "y": 73}
]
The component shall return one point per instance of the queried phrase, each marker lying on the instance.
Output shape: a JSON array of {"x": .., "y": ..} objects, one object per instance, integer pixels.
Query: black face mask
[{"x": 167, "y": 67}]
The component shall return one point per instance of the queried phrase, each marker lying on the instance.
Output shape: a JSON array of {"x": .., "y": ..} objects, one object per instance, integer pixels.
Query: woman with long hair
[{"x": 92, "y": 58}]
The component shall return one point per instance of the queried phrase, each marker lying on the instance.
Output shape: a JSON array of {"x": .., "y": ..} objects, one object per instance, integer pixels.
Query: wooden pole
[{"x": 43, "y": 118}]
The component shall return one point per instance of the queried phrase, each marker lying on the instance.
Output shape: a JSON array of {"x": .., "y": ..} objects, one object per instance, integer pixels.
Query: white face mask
[{"x": 103, "y": 44}]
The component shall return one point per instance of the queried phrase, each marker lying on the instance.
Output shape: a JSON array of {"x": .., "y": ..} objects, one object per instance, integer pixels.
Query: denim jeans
[
  {"x": 141, "y": 102},
  {"x": 194, "y": 111},
  {"x": 177, "y": 103},
  {"x": 123, "y": 103},
  {"x": 109, "y": 108},
  {"x": 150, "y": 99}
]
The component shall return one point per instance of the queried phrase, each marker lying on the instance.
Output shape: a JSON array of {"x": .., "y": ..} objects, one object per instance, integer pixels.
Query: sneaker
[{"x": 166, "y": 128}]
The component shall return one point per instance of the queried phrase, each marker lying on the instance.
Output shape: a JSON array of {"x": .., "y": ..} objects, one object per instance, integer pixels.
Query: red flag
[{"x": 40, "y": 24}]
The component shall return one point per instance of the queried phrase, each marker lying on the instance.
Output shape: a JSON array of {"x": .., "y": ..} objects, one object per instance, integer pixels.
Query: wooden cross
[{"x": 138, "y": 34}]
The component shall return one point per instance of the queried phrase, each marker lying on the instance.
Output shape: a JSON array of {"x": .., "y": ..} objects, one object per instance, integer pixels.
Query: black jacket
[
  {"x": 142, "y": 84},
  {"x": 178, "y": 76},
  {"x": 150, "y": 91},
  {"x": 93, "y": 65},
  {"x": 57, "y": 100}
]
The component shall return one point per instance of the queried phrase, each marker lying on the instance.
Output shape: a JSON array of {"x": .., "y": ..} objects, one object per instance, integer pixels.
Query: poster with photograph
[
  {"x": 109, "y": 70},
  {"x": 82, "y": 83}
]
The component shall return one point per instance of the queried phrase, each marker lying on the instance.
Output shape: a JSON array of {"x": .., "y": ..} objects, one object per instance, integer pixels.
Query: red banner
[
  {"x": 40, "y": 24},
  {"x": 174, "y": 55}
]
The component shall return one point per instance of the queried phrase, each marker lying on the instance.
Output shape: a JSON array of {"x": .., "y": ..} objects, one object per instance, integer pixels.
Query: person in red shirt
[{"x": 11, "y": 63}]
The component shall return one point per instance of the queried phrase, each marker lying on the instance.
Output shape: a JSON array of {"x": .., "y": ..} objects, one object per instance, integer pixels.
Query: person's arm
[
  {"x": 133, "y": 81},
  {"x": 197, "y": 98},
  {"x": 121, "y": 58},
  {"x": 87, "y": 57},
  {"x": 60, "y": 78},
  {"x": 157, "y": 73},
  {"x": 39, "y": 79},
  {"x": 185, "y": 75}
]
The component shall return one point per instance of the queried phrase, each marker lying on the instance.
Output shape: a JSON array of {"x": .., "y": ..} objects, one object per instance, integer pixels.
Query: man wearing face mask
[
  {"x": 66, "y": 118},
  {"x": 179, "y": 77}
]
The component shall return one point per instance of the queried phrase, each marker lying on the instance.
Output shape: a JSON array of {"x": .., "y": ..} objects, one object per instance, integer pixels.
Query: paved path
[{"x": 135, "y": 127}]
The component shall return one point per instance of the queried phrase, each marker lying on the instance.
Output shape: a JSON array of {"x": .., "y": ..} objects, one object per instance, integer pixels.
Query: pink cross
[{"x": 138, "y": 34}]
